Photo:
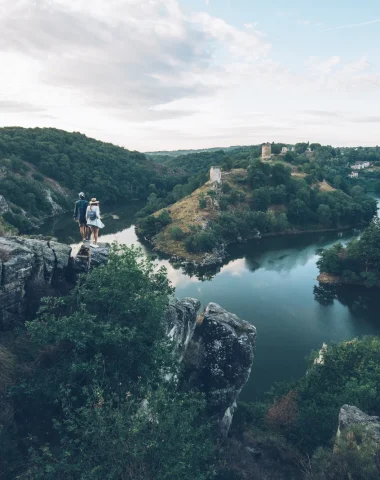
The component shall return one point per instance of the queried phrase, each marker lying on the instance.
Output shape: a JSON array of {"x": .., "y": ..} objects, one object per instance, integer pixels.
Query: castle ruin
[
  {"x": 266, "y": 151},
  {"x": 216, "y": 175}
]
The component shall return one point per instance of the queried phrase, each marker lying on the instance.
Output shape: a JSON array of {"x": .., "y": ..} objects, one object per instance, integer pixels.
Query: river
[{"x": 272, "y": 284}]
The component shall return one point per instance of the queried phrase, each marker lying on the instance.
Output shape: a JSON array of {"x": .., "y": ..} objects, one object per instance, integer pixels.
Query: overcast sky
[{"x": 170, "y": 74}]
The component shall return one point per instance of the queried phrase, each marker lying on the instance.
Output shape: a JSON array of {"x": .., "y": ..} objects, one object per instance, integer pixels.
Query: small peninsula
[{"x": 270, "y": 197}]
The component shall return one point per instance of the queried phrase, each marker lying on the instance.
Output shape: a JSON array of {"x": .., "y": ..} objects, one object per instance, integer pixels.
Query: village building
[
  {"x": 284, "y": 150},
  {"x": 353, "y": 175},
  {"x": 360, "y": 165}
]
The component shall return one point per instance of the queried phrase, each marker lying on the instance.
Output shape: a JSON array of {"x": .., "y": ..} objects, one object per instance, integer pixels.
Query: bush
[
  {"x": 150, "y": 226},
  {"x": 202, "y": 241},
  {"x": 177, "y": 233},
  {"x": 202, "y": 201},
  {"x": 355, "y": 456},
  {"x": 38, "y": 177},
  {"x": 100, "y": 408}
]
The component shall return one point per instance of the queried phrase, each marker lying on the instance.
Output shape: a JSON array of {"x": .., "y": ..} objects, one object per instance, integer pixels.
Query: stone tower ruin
[
  {"x": 266, "y": 151},
  {"x": 216, "y": 175}
]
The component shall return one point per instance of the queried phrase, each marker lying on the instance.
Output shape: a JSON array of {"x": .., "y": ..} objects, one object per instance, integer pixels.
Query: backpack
[{"x": 92, "y": 215}]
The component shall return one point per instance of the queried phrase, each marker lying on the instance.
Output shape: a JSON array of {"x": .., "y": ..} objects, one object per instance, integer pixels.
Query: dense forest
[
  {"x": 73, "y": 384},
  {"x": 42, "y": 167},
  {"x": 357, "y": 262}
]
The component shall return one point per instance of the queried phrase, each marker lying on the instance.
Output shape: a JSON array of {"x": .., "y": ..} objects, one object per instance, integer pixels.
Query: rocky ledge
[
  {"x": 214, "y": 348},
  {"x": 351, "y": 417},
  {"x": 27, "y": 266},
  {"x": 217, "y": 349},
  {"x": 33, "y": 268}
]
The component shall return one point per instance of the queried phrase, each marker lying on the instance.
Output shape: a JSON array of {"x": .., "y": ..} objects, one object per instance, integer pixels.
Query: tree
[
  {"x": 106, "y": 395},
  {"x": 280, "y": 174},
  {"x": 301, "y": 147},
  {"x": 324, "y": 214},
  {"x": 261, "y": 199},
  {"x": 298, "y": 212}
]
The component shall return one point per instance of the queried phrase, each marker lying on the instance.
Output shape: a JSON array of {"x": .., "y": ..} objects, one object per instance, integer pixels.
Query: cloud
[
  {"x": 124, "y": 56},
  {"x": 353, "y": 25},
  {"x": 10, "y": 106}
]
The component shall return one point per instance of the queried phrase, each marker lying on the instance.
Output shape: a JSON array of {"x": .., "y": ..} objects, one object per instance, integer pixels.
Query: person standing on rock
[
  {"x": 80, "y": 215},
  {"x": 93, "y": 220}
]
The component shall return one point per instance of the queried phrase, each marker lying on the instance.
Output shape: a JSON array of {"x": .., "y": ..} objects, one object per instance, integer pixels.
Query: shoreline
[{"x": 217, "y": 256}]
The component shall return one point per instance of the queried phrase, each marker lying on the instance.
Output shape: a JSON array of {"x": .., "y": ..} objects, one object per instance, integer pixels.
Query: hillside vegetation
[
  {"x": 90, "y": 390},
  {"x": 266, "y": 199},
  {"x": 357, "y": 263},
  {"x": 43, "y": 169}
]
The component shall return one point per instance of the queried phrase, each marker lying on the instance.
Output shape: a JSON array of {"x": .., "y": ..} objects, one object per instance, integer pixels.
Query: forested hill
[{"x": 42, "y": 168}]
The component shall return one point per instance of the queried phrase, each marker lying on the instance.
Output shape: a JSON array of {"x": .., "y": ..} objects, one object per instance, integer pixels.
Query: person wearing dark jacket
[{"x": 80, "y": 215}]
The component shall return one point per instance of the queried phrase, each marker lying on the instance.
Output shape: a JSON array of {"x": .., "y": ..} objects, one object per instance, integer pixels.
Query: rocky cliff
[
  {"x": 27, "y": 267},
  {"x": 351, "y": 417},
  {"x": 217, "y": 349}
]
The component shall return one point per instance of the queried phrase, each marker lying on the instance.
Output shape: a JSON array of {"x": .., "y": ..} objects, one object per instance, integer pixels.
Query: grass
[
  {"x": 325, "y": 187},
  {"x": 186, "y": 212}
]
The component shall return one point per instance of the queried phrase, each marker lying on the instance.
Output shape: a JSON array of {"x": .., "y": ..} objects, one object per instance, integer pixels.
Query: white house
[
  {"x": 360, "y": 166},
  {"x": 284, "y": 150},
  {"x": 353, "y": 175}
]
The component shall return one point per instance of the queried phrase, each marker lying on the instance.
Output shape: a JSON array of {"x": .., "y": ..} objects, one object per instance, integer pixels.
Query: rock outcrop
[
  {"x": 27, "y": 265},
  {"x": 219, "y": 359},
  {"x": 181, "y": 318},
  {"x": 88, "y": 257},
  {"x": 350, "y": 417}
]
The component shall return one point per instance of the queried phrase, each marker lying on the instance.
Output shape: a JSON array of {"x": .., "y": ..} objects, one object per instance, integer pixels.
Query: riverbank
[{"x": 177, "y": 254}]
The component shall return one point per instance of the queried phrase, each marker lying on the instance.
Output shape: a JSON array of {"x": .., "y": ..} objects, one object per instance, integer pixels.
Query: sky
[{"x": 187, "y": 74}]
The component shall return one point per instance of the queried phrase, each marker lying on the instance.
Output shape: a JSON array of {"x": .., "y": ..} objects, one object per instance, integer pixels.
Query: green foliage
[
  {"x": 355, "y": 456},
  {"x": 301, "y": 147},
  {"x": 350, "y": 376},
  {"x": 330, "y": 261},
  {"x": 177, "y": 233},
  {"x": 261, "y": 199},
  {"x": 152, "y": 225},
  {"x": 99, "y": 407},
  {"x": 360, "y": 257},
  {"x": 78, "y": 163},
  {"x": 201, "y": 241},
  {"x": 324, "y": 214},
  {"x": 202, "y": 201}
]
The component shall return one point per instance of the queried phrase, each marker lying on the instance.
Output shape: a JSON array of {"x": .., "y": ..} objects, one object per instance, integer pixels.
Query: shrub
[
  {"x": 355, "y": 456},
  {"x": 202, "y": 201},
  {"x": 38, "y": 177},
  {"x": 202, "y": 241},
  {"x": 177, "y": 233}
]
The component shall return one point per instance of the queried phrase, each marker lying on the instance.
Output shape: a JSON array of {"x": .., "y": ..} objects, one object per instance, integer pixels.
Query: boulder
[
  {"x": 25, "y": 264},
  {"x": 219, "y": 361},
  {"x": 350, "y": 417},
  {"x": 181, "y": 318},
  {"x": 89, "y": 257}
]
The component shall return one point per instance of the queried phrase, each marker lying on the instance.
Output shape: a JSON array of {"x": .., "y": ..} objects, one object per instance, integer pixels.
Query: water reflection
[{"x": 270, "y": 283}]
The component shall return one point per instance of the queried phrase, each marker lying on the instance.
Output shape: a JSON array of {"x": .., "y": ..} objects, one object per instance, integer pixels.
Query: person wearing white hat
[{"x": 93, "y": 220}]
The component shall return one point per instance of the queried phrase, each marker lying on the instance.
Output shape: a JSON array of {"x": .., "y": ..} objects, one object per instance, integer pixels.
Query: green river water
[{"x": 272, "y": 284}]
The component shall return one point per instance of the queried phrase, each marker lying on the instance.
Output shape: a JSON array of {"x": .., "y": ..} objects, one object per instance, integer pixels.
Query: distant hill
[
  {"x": 177, "y": 153},
  {"x": 43, "y": 169}
]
